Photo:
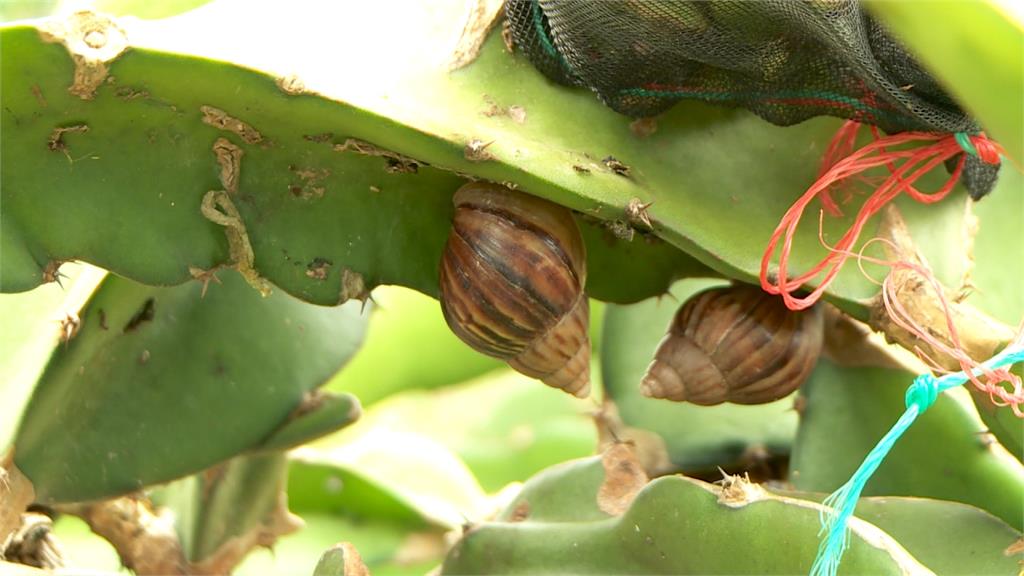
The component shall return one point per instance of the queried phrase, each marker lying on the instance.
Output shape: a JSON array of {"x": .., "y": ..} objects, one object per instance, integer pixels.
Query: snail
[
  {"x": 512, "y": 279},
  {"x": 734, "y": 344}
]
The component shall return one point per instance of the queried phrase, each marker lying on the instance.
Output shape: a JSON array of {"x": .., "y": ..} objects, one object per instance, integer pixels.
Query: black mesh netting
[{"x": 784, "y": 60}]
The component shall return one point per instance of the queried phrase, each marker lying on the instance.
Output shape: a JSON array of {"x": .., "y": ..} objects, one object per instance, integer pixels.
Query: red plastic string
[
  {"x": 840, "y": 147},
  {"x": 914, "y": 163}
]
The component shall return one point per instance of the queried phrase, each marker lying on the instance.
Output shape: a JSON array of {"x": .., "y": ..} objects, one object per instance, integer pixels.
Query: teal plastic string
[
  {"x": 841, "y": 503},
  {"x": 964, "y": 140}
]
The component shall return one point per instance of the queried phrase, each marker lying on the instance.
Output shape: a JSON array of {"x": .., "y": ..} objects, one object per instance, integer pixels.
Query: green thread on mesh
[
  {"x": 762, "y": 96},
  {"x": 545, "y": 42}
]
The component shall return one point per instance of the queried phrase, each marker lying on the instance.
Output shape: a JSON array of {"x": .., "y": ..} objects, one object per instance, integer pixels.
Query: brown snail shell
[
  {"x": 735, "y": 344},
  {"x": 512, "y": 279}
]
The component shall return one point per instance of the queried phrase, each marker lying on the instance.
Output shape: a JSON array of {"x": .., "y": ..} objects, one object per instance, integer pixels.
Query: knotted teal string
[
  {"x": 841, "y": 503},
  {"x": 964, "y": 140}
]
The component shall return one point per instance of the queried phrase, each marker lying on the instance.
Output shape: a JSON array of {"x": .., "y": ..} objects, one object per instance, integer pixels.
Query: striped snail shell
[
  {"x": 734, "y": 344},
  {"x": 512, "y": 279}
]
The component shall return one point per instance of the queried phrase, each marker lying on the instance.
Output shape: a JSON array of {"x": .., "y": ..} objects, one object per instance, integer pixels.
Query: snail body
[
  {"x": 512, "y": 284},
  {"x": 734, "y": 344}
]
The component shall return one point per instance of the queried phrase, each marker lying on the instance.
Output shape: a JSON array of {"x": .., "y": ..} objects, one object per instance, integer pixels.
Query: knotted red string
[
  {"x": 915, "y": 163},
  {"x": 1003, "y": 387},
  {"x": 1009, "y": 394}
]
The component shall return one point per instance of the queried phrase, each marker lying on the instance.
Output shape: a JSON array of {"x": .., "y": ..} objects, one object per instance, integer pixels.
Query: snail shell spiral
[
  {"x": 734, "y": 344},
  {"x": 512, "y": 280}
]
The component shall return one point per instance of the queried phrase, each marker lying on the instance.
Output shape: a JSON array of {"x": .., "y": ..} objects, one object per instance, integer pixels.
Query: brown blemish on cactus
[
  {"x": 616, "y": 166},
  {"x": 738, "y": 491},
  {"x": 38, "y": 94},
  {"x": 979, "y": 335},
  {"x": 476, "y": 150},
  {"x": 321, "y": 138},
  {"x": 204, "y": 276},
  {"x": 624, "y": 477},
  {"x": 127, "y": 93},
  {"x": 649, "y": 447},
  {"x": 515, "y": 112},
  {"x": 352, "y": 286},
  {"x": 521, "y": 512},
  {"x": 144, "y": 314},
  {"x": 400, "y": 166},
  {"x": 229, "y": 157},
  {"x": 318, "y": 268},
  {"x": 311, "y": 180},
  {"x": 222, "y": 120},
  {"x": 16, "y": 493},
  {"x": 55, "y": 142},
  {"x": 396, "y": 163},
  {"x": 311, "y": 401},
  {"x": 492, "y": 109},
  {"x": 636, "y": 213},
  {"x": 643, "y": 127},
  {"x": 480, "y": 17},
  {"x": 93, "y": 41},
  {"x": 218, "y": 208},
  {"x": 69, "y": 326},
  {"x": 291, "y": 84},
  {"x": 620, "y": 229},
  {"x": 51, "y": 272}
]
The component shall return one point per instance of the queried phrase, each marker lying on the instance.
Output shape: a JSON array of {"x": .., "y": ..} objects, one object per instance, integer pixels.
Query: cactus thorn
[{"x": 204, "y": 276}]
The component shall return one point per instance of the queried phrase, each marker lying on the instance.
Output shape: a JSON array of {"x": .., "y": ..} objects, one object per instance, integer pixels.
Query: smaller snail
[
  {"x": 512, "y": 279},
  {"x": 734, "y": 344}
]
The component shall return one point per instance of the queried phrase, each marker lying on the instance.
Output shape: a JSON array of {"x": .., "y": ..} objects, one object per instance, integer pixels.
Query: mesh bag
[{"x": 784, "y": 60}]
